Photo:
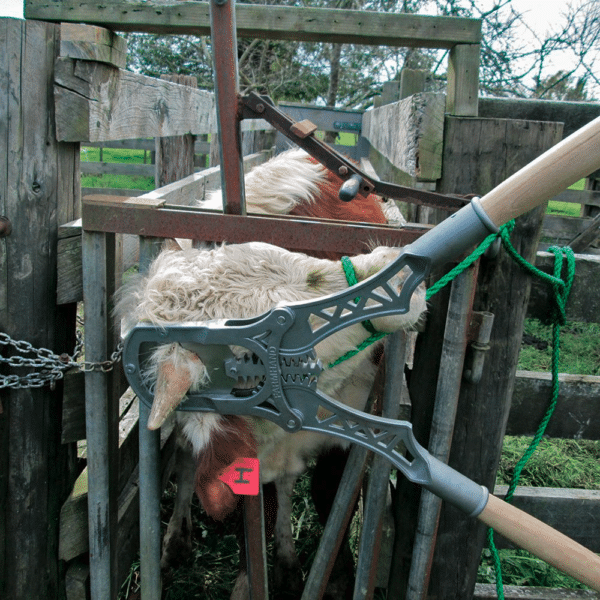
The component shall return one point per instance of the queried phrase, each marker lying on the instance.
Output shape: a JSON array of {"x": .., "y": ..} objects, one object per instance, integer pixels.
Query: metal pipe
[
  {"x": 379, "y": 474},
  {"x": 101, "y": 415},
  {"x": 256, "y": 548},
  {"x": 149, "y": 457},
  {"x": 224, "y": 48},
  {"x": 479, "y": 347},
  {"x": 442, "y": 427}
]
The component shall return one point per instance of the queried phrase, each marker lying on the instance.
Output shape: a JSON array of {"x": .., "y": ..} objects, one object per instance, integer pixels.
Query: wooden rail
[{"x": 270, "y": 22}]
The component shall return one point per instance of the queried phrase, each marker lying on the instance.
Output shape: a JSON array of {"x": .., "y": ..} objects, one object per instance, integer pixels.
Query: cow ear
[{"x": 173, "y": 381}]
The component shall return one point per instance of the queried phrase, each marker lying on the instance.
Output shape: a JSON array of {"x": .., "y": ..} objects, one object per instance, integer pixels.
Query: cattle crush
[{"x": 66, "y": 85}]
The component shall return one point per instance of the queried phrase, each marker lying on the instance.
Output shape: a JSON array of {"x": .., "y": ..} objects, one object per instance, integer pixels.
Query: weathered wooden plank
[
  {"x": 588, "y": 236},
  {"x": 200, "y": 146},
  {"x": 584, "y": 300},
  {"x": 77, "y": 581},
  {"x": 574, "y": 115},
  {"x": 564, "y": 227},
  {"x": 73, "y": 411},
  {"x": 409, "y": 134},
  {"x": 576, "y": 413},
  {"x": 588, "y": 197},
  {"x": 103, "y": 168},
  {"x": 37, "y": 188},
  {"x": 270, "y": 22},
  {"x": 97, "y": 102},
  {"x": 87, "y": 42},
  {"x": 512, "y": 592},
  {"x": 574, "y": 512},
  {"x": 412, "y": 81},
  {"x": 191, "y": 189},
  {"x": 74, "y": 539},
  {"x": 175, "y": 154},
  {"x": 68, "y": 285}
]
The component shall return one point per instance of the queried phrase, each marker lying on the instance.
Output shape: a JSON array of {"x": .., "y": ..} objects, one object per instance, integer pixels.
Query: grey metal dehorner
[{"x": 283, "y": 342}]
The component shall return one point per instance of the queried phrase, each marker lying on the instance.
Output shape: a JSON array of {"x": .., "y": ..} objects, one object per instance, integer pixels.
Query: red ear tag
[{"x": 242, "y": 476}]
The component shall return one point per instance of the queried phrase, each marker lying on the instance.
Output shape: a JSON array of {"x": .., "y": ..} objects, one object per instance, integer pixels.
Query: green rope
[
  {"x": 434, "y": 289},
  {"x": 561, "y": 289},
  {"x": 375, "y": 335},
  {"x": 352, "y": 280}
]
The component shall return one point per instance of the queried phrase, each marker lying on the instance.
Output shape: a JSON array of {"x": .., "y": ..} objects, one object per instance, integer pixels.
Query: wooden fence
[{"x": 88, "y": 57}]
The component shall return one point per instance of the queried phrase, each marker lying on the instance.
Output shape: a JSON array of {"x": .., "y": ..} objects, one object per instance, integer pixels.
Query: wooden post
[
  {"x": 175, "y": 155},
  {"x": 463, "y": 80},
  {"x": 504, "y": 147},
  {"x": 38, "y": 189},
  {"x": 412, "y": 81}
]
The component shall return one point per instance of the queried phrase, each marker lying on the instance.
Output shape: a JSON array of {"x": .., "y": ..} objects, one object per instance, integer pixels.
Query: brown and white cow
[{"x": 246, "y": 280}]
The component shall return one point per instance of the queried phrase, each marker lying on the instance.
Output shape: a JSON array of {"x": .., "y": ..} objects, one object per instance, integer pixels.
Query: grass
[{"x": 579, "y": 348}]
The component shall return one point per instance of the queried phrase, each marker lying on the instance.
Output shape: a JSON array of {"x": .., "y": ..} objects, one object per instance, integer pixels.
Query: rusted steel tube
[
  {"x": 224, "y": 47},
  {"x": 256, "y": 548}
]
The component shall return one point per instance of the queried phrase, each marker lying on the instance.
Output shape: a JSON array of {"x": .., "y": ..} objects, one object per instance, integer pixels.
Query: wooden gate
[{"x": 111, "y": 494}]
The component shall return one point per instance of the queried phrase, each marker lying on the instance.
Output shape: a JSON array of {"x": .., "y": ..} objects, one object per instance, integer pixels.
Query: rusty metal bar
[
  {"x": 224, "y": 44},
  {"x": 225, "y": 67},
  {"x": 256, "y": 547},
  {"x": 261, "y": 107},
  {"x": 105, "y": 213}
]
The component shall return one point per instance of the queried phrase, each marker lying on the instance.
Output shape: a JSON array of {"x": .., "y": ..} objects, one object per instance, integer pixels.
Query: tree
[{"x": 350, "y": 76}]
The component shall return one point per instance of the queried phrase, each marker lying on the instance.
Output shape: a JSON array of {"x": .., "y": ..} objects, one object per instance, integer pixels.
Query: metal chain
[{"x": 51, "y": 366}]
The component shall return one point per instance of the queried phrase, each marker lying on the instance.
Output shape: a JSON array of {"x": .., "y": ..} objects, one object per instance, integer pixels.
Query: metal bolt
[
  {"x": 5, "y": 226},
  {"x": 260, "y": 108},
  {"x": 281, "y": 320},
  {"x": 130, "y": 369},
  {"x": 343, "y": 170},
  {"x": 291, "y": 424}
]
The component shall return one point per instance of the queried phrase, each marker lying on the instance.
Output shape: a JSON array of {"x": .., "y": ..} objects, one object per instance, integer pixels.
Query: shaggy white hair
[
  {"x": 277, "y": 185},
  {"x": 243, "y": 281}
]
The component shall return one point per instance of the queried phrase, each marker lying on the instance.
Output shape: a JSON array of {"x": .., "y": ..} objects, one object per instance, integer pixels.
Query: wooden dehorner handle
[
  {"x": 565, "y": 163},
  {"x": 542, "y": 540}
]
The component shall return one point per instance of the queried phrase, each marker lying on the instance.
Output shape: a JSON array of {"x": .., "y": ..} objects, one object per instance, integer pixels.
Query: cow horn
[{"x": 172, "y": 384}]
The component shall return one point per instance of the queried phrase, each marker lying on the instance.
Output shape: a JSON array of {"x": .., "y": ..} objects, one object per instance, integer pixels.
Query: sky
[{"x": 538, "y": 14}]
